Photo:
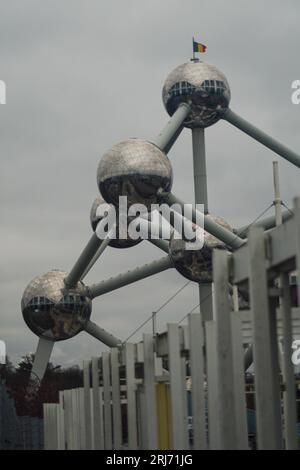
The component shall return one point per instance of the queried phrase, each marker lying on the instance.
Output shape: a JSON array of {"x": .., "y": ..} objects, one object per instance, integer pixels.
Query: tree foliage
[{"x": 56, "y": 378}]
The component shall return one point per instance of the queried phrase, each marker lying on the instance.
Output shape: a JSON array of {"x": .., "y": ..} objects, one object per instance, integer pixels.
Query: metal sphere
[
  {"x": 196, "y": 265},
  {"x": 51, "y": 310},
  {"x": 200, "y": 85},
  {"x": 95, "y": 219},
  {"x": 134, "y": 168}
]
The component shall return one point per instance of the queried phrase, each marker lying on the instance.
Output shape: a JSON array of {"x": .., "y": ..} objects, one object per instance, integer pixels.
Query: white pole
[
  {"x": 289, "y": 395},
  {"x": 87, "y": 404}
]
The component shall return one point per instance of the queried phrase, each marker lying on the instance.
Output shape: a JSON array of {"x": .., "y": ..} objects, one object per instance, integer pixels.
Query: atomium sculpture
[{"x": 57, "y": 305}]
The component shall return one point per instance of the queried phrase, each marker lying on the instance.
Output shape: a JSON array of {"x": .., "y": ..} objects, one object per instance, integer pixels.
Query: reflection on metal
[
  {"x": 134, "y": 168},
  {"x": 52, "y": 311},
  {"x": 196, "y": 265},
  {"x": 200, "y": 85}
]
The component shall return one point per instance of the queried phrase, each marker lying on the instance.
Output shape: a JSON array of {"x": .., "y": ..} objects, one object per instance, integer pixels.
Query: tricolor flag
[{"x": 198, "y": 47}]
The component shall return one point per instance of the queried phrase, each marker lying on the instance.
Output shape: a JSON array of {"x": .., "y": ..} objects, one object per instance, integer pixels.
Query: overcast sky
[{"x": 83, "y": 75}]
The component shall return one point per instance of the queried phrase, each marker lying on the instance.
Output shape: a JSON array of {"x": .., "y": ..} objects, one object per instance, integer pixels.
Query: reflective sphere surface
[
  {"x": 52, "y": 311},
  {"x": 95, "y": 219},
  {"x": 134, "y": 168},
  {"x": 200, "y": 85},
  {"x": 196, "y": 265}
]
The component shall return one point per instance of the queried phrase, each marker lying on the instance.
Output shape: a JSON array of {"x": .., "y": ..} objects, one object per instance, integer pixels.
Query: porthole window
[
  {"x": 213, "y": 87},
  {"x": 40, "y": 303},
  {"x": 182, "y": 88}
]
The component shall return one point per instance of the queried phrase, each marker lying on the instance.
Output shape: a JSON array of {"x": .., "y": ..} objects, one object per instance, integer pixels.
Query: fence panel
[{"x": 209, "y": 355}]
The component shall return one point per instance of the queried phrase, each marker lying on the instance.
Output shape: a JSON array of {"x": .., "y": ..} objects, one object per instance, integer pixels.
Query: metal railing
[{"x": 186, "y": 388}]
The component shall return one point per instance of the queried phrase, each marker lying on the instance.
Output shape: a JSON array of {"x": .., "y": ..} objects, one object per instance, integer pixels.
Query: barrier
[{"x": 136, "y": 396}]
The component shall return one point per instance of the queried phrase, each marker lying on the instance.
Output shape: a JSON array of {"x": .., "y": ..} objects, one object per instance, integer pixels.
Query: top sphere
[
  {"x": 51, "y": 310},
  {"x": 200, "y": 85},
  {"x": 134, "y": 168}
]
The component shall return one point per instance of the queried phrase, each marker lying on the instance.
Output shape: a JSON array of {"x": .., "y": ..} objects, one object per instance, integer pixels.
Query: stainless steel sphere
[
  {"x": 200, "y": 85},
  {"x": 95, "y": 219},
  {"x": 134, "y": 168},
  {"x": 51, "y": 310},
  {"x": 196, "y": 265}
]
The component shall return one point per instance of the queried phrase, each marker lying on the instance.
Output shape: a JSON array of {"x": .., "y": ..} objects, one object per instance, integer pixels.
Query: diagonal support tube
[
  {"x": 125, "y": 279},
  {"x": 41, "y": 359},
  {"x": 160, "y": 242},
  {"x": 229, "y": 238},
  {"x": 261, "y": 137},
  {"x": 102, "y": 247},
  {"x": 172, "y": 130},
  {"x": 83, "y": 261},
  {"x": 89, "y": 256},
  {"x": 102, "y": 335}
]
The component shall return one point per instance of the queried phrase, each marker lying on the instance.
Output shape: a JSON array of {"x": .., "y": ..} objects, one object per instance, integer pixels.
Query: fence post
[
  {"x": 131, "y": 396},
  {"x": 149, "y": 392},
  {"x": 50, "y": 426},
  {"x": 268, "y": 408},
  {"x": 61, "y": 423},
  {"x": 212, "y": 385},
  {"x": 116, "y": 398},
  {"x": 177, "y": 389},
  {"x": 297, "y": 223},
  {"x": 107, "y": 401},
  {"x": 197, "y": 374},
  {"x": 75, "y": 420},
  {"x": 80, "y": 397},
  {"x": 46, "y": 428},
  {"x": 92, "y": 419},
  {"x": 97, "y": 406},
  {"x": 68, "y": 418},
  {"x": 290, "y": 405},
  {"x": 225, "y": 391},
  {"x": 239, "y": 383},
  {"x": 87, "y": 404}
]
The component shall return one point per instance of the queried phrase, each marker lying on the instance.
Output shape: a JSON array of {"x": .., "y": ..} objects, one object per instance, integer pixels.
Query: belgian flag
[{"x": 198, "y": 47}]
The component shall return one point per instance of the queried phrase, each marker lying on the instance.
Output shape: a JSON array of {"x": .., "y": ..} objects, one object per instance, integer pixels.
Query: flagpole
[{"x": 193, "y": 49}]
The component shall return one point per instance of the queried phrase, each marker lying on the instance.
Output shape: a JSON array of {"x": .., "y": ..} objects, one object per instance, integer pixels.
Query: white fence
[{"x": 130, "y": 401}]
